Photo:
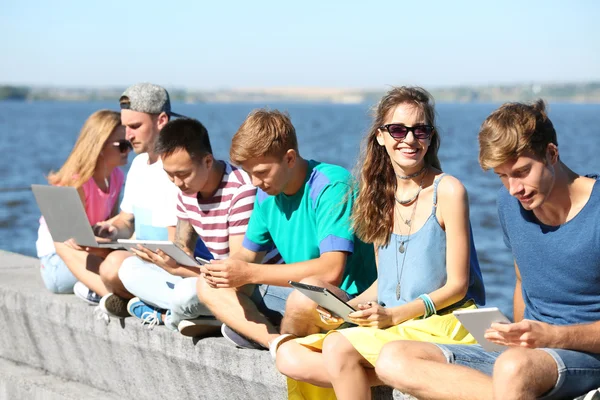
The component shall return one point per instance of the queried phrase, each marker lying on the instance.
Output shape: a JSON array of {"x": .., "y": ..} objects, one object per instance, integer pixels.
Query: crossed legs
[
  {"x": 518, "y": 373},
  {"x": 235, "y": 308}
]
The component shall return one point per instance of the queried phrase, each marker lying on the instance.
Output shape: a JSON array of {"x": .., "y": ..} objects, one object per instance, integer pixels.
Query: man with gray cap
[
  {"x": 145, "y": 109},
  {"x": 150, "y": 198}
]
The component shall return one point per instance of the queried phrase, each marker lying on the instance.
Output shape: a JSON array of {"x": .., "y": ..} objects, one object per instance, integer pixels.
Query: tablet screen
[{"x": 325, "y": 299}]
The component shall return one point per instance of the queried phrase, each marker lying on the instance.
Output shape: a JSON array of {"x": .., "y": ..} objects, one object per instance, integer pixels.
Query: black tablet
[{"x": 325, "y": 299}]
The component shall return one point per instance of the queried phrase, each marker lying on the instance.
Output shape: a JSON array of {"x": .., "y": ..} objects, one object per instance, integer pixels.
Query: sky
[{"x": 208, "y": 45}]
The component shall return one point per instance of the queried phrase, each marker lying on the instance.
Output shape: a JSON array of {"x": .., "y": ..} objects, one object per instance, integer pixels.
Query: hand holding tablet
[
  {"x": 169, "y": 248},
  {"x": 325, "y": 299},
  {"x": 478, "y": 321}
]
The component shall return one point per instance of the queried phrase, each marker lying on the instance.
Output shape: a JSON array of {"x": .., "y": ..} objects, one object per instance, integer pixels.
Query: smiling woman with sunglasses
[
  {"x": 92, "y": 168},
  {"x": 417, "y": 217}
]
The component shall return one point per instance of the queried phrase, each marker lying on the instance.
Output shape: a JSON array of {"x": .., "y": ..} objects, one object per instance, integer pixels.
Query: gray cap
[{"x": 147, "y": 98}]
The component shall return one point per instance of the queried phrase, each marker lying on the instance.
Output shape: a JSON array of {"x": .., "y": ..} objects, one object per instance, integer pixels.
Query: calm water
[{"x": 37, "y": 137}]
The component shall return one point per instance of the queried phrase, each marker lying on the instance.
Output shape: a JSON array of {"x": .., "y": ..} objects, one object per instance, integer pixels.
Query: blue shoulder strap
[{"x": 435, "y": 187}]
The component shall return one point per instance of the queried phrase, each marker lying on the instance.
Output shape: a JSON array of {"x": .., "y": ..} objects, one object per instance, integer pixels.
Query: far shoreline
[{"x": 572, "y": 93}]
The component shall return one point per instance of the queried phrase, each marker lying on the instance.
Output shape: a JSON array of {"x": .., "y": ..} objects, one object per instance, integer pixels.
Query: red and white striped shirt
[{"x": 226, "y": 213}]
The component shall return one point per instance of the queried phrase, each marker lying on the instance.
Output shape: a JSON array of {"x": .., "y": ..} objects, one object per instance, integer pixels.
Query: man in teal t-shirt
[
  {"x": 302, "y": 207},
  {"x": 313, "y": 221}
]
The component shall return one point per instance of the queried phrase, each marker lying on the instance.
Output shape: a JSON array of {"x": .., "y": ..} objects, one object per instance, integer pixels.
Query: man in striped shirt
[{"x": 214, "y": 205}]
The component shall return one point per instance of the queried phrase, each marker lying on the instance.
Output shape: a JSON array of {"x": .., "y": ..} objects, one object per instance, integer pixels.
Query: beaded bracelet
[{"x": 429, "y": 306}]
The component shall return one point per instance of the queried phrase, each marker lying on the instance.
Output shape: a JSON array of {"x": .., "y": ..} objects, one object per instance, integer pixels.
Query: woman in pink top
[{"x": 92, "y": 168}]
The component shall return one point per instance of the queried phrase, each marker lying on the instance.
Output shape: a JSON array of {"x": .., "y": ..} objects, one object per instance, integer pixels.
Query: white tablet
[
  {"x": 325, "y": 299},
  {"x": 478, "y": 321},
  {"x": 169, "y": 248}
]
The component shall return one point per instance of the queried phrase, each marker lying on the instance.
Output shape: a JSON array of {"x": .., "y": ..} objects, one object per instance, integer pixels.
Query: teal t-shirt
[{"x": 313, "y": 221}]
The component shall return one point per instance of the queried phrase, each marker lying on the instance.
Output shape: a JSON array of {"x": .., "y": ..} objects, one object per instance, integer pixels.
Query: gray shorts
[{"x": 578, "y": 372}]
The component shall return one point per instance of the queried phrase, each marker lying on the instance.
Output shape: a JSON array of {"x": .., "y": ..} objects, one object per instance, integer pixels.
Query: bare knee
[
  {"x": 339, "y": 354},
  {"x": 513, "y": 365},
  {"x": 392, "y": 362},
  {"x": 298, "y": 304},
  {"x": 301, "y": 317},
  {"x": 109, "y": 268},
  {"x": 524, "y": 372},
  {"x": 397, "y": 361},
  {"x": 289, "y": 362}
]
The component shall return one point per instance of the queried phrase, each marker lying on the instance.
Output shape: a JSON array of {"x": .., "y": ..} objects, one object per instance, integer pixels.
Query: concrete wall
[
  {"x": 52, "y": 348},
  {"x": 56, "y": 343}
]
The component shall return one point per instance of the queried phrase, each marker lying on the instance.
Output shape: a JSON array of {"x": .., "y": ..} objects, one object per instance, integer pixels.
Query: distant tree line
[{"x": 14, "y": 92}]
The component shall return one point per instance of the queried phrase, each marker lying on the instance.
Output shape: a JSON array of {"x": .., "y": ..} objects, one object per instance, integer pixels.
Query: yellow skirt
[{"x": 443, "y": 329}]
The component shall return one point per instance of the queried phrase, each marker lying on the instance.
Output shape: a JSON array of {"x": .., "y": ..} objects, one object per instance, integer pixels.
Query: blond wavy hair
[
  {"x": 514, "y": 129},
  {"x": 82, "y": 160},
  {"x": 372, "y": 214}
]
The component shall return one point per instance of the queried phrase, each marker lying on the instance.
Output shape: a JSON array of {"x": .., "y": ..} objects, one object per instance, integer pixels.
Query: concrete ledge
[
  {"x": 22, "y": 382},
  {"x": 52, "y": 347},
  {"x": 58, "y": 335}
]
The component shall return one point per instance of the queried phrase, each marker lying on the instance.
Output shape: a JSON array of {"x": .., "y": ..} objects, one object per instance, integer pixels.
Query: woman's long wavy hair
[
  {"x": 81, "y": 163},
  {"x": 373, "y": 212}
]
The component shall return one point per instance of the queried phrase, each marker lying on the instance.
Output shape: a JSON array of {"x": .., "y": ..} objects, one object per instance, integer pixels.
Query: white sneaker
[{"x": 85, "y": 294}]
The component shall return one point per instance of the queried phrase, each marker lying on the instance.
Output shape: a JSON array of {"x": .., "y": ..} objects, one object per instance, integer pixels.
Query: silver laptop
[{"x": 65, "y": 216}]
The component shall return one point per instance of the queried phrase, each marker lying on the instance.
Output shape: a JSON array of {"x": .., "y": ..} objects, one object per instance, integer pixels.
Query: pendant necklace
[
  {"x": 404, "y": 202},
  {"x": 403, "y": 247},
  {"x": 407, "y": 222}
]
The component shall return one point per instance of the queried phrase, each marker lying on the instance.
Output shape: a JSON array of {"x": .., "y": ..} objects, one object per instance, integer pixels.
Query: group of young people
[{"x": 395, "y": 242}]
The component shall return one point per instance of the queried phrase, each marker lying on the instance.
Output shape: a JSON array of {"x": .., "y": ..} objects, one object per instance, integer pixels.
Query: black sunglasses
[
  {"x": 399, "y": 131},
  {"x": 123, "y": 145}
]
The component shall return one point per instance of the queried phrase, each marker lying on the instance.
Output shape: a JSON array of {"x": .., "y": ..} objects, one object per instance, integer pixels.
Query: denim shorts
[
  {"x": 271, "y": 300},
  {"x": 578, "y": 372},
  {"x": 55, "y": 274}
]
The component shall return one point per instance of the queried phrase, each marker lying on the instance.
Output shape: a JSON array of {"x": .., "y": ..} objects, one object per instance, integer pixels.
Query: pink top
[{"x": 98, "y": 207}]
